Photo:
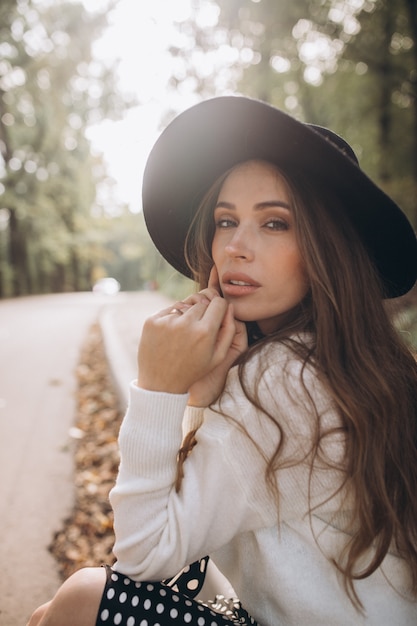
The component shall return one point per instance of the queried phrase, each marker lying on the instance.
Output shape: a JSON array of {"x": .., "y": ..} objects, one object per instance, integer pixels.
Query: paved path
[{"x": 40, "y": 340}]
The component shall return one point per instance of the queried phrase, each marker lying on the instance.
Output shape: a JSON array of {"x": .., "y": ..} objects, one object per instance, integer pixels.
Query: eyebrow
[{"x": 260, "y": 206}]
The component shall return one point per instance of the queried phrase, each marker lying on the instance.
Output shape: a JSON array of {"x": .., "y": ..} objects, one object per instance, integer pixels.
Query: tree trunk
[
  {"x": 384, "y": 82},
  {"x": 18, "y": 257},
  {"x": 412, "y": 14}
]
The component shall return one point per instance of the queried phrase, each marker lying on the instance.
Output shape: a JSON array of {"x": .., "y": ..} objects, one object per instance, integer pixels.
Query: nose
[{"x": 240, "y": 245}]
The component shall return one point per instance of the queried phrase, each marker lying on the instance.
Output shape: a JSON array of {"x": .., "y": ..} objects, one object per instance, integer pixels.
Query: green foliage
[
  {"x": 121, "y": 247},
  {"x": 351, "y": 66},
  {"x": 51, "y": 88},
  {"x": 407, "y": 326}
]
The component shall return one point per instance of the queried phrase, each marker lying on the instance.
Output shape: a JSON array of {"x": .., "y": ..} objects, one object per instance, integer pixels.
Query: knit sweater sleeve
[
  {"x": 158, "y": 531},
  {"x": 224, "y": 491}
]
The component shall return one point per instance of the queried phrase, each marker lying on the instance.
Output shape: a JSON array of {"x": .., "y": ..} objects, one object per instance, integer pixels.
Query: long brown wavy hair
[{"x": 362, "y": 362}]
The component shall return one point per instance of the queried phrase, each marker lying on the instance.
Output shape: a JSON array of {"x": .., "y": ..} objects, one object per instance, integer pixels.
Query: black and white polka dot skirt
[{"x": 129, "y": 603}]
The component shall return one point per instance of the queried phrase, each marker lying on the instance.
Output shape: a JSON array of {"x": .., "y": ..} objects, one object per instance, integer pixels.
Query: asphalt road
[{"x": 40, "y": 340}]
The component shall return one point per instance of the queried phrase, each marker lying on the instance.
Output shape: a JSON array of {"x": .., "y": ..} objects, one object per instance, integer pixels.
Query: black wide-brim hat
[{"x": 211, "y": 137}]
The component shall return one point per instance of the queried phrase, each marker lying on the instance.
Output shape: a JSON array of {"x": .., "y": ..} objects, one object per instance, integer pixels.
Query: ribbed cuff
[{"x": 151, "y": 433}]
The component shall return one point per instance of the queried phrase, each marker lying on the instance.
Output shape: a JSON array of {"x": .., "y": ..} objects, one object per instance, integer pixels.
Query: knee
[{"x": 76, "y": 602}]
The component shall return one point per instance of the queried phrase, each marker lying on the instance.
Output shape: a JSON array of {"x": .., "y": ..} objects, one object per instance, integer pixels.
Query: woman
[{"x": 294, "y": 394}]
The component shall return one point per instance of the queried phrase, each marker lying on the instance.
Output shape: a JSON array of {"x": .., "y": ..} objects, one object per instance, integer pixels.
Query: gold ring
[{"x": 176, "y": 311}]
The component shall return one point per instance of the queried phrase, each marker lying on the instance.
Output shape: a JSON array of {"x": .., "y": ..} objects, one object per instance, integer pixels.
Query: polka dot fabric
[
  {"x": 129, "y": 603},
  {"x": 191, "y": 579}
]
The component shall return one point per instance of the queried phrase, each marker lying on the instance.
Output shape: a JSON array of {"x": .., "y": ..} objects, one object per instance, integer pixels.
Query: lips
[{"x": 238, "y": 284}]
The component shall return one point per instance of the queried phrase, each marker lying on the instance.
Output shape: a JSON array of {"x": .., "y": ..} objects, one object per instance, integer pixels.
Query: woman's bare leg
[{"x": 76, "y": 602}]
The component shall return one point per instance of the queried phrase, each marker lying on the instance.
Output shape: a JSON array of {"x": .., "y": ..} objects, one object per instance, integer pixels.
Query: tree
[
  {"x": 51, "y": 88},
  {"x": 347, "y": 65},
  {"x": 386, "y": 46}
]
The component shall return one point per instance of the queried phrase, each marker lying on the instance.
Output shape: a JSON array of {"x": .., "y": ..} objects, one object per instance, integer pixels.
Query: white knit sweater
[{"x": 278, "y": 559}]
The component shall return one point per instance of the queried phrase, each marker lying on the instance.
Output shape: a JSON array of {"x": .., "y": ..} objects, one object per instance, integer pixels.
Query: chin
[{"x": 244, "y": 317}]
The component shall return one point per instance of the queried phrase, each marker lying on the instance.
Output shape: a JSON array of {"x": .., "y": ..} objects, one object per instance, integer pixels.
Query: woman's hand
[
  {"x": 191, "y": 346},
  {"x": 205, "y": 295},
  {"x": 206, "y": 390},
  {"x": 181, "y": 345}
]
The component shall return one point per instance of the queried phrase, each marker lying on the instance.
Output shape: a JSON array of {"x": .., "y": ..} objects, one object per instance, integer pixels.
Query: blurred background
[{"x": 86, "y": 86}]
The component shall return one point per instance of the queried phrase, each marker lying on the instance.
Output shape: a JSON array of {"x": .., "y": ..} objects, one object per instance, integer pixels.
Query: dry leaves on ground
[{"x": 86, "y": 537}]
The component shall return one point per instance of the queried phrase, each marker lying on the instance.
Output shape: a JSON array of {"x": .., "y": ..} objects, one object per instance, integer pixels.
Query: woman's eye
[
  {"x": 276, "y": 224},
  {"x": 224, "y": 223}
]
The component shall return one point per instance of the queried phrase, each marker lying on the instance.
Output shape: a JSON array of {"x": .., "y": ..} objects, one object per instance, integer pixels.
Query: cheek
[
  {"x": 296, "y": 269},
  {"x": 303, "y": 279},
  {"x": 216, "y": 249},
  {"x": 287, "y": 256}
]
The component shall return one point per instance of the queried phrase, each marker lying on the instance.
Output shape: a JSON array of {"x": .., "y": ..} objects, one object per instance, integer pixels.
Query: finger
[
  {"x": 219, "y": 317},
  {"x": 215, "y": 311},
  {"x": 201, "y": 296},
  {"x": 226, "y": 333},
  {"x": 241, "y": 336},
  {"x": 178, "y": 308},
  {"x": 211, "y": 291},
  {"x": 197, "y": 310},
  {"x": 181, "y": 307},
  {"x": 167, "y": 311},
  {"x": 194, "y": 310},
  {"x": 213, "y": 281}
]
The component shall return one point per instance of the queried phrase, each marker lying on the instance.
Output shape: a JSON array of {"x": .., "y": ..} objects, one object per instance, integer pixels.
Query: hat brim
[{"x": 210, "y": 138}]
